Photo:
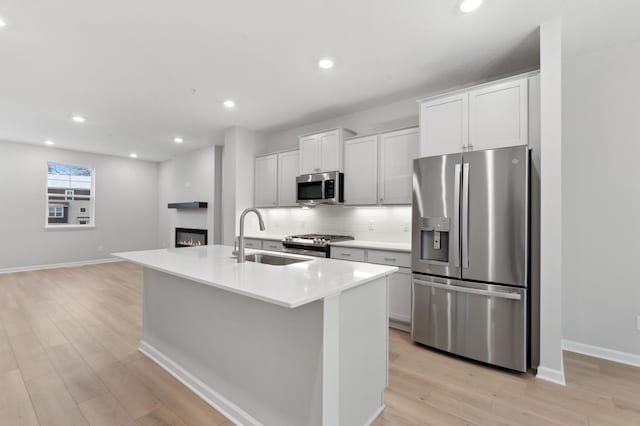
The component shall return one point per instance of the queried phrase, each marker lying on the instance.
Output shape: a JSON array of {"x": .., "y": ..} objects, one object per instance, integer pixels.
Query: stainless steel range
[{"x": 318, "y": 245}]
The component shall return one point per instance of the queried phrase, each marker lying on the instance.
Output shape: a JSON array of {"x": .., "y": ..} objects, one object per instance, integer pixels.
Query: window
[
  {"x": 56, "y": 211},
  {"x": 70, "y": 195}
]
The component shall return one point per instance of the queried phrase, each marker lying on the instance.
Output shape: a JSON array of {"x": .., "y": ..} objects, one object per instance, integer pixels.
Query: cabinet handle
[
  {"x": 381, "y": 199},
  {"x": 390, "y": 259},
  {"x": 345, "y": 254}
]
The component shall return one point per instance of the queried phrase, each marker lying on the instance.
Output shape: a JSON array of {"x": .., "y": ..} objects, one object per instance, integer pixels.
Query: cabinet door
[
  {"x": 288, "y": 170},
  {"x": 266, "y": 181},
  {"x": 361, "y": 171},
  {"x": 498, "y": 116},
  {"x": 400, "y": 296},
  {"x": 397, "y": 152},
  {"x": 309, "y": 155},
  {"x": 330, "y": 151},
  {"x": 444, "y": 125}
]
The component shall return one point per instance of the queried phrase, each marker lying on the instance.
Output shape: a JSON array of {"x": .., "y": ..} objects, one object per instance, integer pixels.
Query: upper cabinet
[
  {"x": 288, "y": 170},
  {"x": 266, "y": 181},
  {"x": 444, "y": 125},
  {"x": 498, "y": 115},
  {"x": 378, "y": 169},
  {"x": 275, "y": 179},
  {"x": 361, "y": 170},
  {"x": 322, "y": 152},
  {"x": 397, "y": 151},
  {"x": 485, "y": 117}
]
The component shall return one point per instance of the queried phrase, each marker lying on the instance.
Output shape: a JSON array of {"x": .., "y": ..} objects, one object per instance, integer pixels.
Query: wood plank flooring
[{"x": 68, "y": 356}]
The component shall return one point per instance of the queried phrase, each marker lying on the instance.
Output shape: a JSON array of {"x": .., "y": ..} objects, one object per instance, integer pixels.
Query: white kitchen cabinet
[
  {"x": 271, "y": 245},
  {"x": 288, "y": 170},
  {"x": 266, "y": 181},
  {"x": 253, "y": 243},
  {"x": 498, "y": 115},
  {"x": 398, "y": 149},
  {"x": 322, "y": 152},
  {"x": 400, "y": 297},
  {"x": 309, "y": 154},
  {"x": 444, "y": 125},
  {"x": 361, "y": 170}
]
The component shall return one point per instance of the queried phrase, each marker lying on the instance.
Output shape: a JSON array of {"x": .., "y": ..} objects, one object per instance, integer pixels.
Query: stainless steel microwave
[{"x": 320, "y": 188}]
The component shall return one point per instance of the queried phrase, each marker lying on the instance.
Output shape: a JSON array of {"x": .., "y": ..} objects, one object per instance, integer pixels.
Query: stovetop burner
[{"x": 314, "y": 240}]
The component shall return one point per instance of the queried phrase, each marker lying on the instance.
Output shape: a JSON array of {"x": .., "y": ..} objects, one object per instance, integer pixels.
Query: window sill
[{"x": 68, "y": 227}]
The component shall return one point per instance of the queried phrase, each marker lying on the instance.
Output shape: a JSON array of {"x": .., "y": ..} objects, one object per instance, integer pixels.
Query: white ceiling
[{"x": 144, "y": 71}]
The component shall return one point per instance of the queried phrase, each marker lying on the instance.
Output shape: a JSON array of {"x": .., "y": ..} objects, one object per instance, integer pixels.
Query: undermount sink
[{"x": 269, "y": 259}]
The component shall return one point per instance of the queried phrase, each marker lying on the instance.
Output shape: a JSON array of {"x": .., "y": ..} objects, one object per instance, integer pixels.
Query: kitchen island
[{"x": 298, "y": 344}]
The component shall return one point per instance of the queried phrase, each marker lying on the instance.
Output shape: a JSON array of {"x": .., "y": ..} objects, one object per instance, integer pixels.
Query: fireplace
[{"x": 189, "y": 237}]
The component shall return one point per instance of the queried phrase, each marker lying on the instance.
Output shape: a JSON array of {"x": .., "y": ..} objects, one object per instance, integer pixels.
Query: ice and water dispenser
[{"x": 434, "y": 239}]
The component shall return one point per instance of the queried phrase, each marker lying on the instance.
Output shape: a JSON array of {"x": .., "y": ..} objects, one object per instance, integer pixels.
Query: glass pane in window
[{"x": 69, "y": 197}]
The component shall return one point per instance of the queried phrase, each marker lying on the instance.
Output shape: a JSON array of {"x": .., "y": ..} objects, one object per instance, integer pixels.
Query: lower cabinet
[
  {"x": 272, "y": 245},
  {"x": 399, "y": 282},
  {"x": 400, "y": 299},
  {"x": 253, "y": 243}
]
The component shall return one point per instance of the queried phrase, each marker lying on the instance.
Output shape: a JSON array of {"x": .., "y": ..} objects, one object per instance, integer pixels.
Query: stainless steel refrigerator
[{"x": 470, "y": 254}]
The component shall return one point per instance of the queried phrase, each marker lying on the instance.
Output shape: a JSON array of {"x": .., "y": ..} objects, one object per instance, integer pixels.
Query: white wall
[
  {"x": 551, "y": 364},
  {"x": 601, "y": 198},
  {"x": 126, "y": 207},
  {"x": 186, "y": 178},
  {"x": 240, "y": 149},
  {"x": 391, "y": 224},
  {"x": 386, "y": 117}
]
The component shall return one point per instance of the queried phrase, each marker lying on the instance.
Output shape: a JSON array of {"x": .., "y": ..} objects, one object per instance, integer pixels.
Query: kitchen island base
[{"x": 322, "y": 363}]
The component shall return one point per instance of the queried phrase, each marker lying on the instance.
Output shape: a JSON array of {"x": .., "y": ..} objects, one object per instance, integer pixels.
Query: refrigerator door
[
  {"x": 436, "y": 215},
  {"x": 494, "y": 210},
  {"x": 478, "y": 321}
]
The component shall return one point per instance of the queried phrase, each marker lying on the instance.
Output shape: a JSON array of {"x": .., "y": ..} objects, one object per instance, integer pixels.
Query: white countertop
[
  {"x": 375, "y": 245},
  {"x": 290, "y": 286}
]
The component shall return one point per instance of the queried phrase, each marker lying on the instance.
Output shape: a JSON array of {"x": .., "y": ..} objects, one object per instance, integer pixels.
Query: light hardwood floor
[{"x": 68, "y": 356}]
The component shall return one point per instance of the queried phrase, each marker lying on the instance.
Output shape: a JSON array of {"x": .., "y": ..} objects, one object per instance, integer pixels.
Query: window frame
[{"x": 92, "y": 199}]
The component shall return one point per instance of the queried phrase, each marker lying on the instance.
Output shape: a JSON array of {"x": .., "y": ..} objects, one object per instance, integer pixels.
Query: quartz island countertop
[{"x": 289, "y": 286}]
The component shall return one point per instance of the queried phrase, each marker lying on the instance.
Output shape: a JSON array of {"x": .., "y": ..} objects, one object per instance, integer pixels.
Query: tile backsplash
[{"x": 378, "y": 223}]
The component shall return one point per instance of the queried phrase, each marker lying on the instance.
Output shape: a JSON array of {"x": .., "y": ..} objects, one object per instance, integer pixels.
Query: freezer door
[
  {"x": 494, "y": 216},
  {"x": 436, "y": 215},
  {"x": 479, "y": 321}
]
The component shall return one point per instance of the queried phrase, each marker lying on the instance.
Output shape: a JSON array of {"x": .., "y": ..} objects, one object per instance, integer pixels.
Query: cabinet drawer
[
  {"x": 272, "y": 245},
  {"x": 252, "y": 243},
  {"x": 344, "y": 253},
  {"x": 393, "y": 258}
]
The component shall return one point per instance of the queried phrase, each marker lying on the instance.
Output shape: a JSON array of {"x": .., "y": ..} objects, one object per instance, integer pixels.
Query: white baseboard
[
  {"x": 209, "y": 395},
  {"x": 551, "y": 375},
  {"x": 599, "y": 352},
  {"x": 375, "y": 415},
  {"x": 59, "y": 265}
]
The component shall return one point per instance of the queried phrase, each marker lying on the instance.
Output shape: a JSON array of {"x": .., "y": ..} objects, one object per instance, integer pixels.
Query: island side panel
[
  {"x": 363, "y": 344},
  {"x": 255, "y": 361}
]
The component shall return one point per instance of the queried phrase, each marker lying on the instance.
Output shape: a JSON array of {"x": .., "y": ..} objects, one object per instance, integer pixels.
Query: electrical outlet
[
  {"x": 638, "y": 323},
  {"x": 370, "y": 225}
]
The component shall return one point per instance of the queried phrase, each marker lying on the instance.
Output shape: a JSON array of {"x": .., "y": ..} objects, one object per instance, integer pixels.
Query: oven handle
[{"x": 488, "y": 293}]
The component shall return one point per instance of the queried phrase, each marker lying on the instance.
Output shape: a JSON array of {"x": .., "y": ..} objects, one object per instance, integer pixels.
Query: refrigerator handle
[
  {"x": 479, "y": 292},
  {"x": 455, "y": 229},
  {"x": 465, "y": 216}
]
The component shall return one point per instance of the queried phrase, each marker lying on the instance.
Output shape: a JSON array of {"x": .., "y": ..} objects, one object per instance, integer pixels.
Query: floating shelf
[{"x": 191, "y": 205}]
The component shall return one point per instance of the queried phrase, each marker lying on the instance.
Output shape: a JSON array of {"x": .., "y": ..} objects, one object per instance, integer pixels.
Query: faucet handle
[{"x": 235, "y": 246}]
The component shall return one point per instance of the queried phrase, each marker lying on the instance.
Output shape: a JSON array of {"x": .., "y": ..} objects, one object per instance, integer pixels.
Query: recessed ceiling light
[
  {"x": 78, "y": 119},
  {"x": 49, "y": 142},
  {"x": 470, "y": 5},
  {"x": 229, "y": 103},
  {"x": 133, "y": 155},
  {"x": 325, "y": 63},
  {"x": 178, "y": 140}
]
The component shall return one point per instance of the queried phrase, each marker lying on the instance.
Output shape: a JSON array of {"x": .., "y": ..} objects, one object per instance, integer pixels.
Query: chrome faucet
[{"x": 241, "y": 236}]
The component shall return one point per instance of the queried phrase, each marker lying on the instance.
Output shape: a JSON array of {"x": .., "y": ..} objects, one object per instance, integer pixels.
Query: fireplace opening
[{"x": 188, "y": 237}]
